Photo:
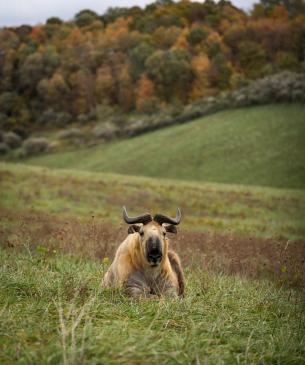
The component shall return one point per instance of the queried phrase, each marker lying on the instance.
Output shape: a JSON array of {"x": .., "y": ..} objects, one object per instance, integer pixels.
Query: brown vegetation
[{"x": 44, "y": 234}]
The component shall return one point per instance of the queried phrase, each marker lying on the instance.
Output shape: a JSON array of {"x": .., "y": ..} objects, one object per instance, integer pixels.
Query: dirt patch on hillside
[{"x": 96, "y": 239}]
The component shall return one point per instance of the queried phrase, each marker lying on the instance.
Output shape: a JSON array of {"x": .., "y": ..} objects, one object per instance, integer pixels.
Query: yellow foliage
[
  {"x": 145, "y": 91},
  {"x": 200, "y": 65}
]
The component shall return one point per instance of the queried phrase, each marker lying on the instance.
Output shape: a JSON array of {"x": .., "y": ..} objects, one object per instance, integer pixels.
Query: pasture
[
  {"x": 242, "y": 247},
  {"x": 173, "y": 104},
  {"x": 262, "y": 145}
]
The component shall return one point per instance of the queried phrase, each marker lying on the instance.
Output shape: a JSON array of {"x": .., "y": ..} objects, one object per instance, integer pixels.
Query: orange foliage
[
  {"x": 280, "y": 12},
  {"x": 38, "y": 34},
  {"x": 145, "y": 91},
  {"x": 201, "y": 65},
  {"x": 104, "y": 84},
  {"x": 75, "y": 68},
  {"x": 181, "y": 42}
]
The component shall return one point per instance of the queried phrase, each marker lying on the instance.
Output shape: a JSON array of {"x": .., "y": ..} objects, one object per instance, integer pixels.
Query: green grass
[
  {"x": 254, "y": 146},
  {"x": 266, "y": 212},
  {"x": 54, "y": 312},
  {"x": 52, "y": 307}
]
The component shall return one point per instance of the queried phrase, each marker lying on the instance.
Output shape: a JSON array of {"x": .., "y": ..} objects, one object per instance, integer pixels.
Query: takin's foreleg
[{"x": 137, "y": 287}]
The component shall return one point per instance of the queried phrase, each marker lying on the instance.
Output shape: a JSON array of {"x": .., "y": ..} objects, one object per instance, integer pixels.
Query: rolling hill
[
  {"x": 254, "y": 146},
  {"x": 242, "y": 210}
]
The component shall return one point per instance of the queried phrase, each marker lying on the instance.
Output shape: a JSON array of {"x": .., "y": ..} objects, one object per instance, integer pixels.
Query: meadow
[
  {"x": 241, "y": 241},
  {"x": 244, "y": 260},
  {"x": 261, "y": 145}
]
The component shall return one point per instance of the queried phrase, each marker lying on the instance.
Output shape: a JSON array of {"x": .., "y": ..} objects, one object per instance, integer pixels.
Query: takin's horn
[
  {"x": 145, "y": 218},
  {"x": 160, "y": 218}
]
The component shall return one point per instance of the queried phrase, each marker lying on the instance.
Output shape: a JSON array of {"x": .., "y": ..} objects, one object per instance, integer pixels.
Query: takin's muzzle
[{"x": 154, "y": 251}]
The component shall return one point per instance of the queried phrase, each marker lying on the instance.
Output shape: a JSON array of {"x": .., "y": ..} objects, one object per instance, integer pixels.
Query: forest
[{"x": 142, "y": 60}]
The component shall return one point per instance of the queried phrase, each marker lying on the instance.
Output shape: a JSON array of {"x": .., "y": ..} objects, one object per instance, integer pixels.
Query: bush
[
  {"x": 283, "y": 87},
  {"x": 33, "y": 146},
  {"x": 4, "y": 148},
  {"x": 83, "y": 118},
  {"x": 70, "y": 133},
  {"x": 48, "y": 116},
  {"x": 12, "y": 139},
  {"x": 51, "y": 117},
  {"x": 63, "y": 118},
  {"x": 106, "y": 131}
]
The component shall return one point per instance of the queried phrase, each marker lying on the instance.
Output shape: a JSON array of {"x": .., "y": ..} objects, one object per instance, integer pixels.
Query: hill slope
[
  {"x": 255, "y": 146},
  {"x": 58, "y": 229},
  {"x": 243, "y": 210}
]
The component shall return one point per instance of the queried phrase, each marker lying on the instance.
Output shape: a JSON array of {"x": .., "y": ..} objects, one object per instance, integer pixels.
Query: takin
[{"x": 143, "y": 264}]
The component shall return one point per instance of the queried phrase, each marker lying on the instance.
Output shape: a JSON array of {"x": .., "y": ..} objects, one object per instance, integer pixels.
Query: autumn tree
[
  {"x": 54, "y": 92},
  {"x": 146, "y": 100},
  {"x": 105, "y": 85},
  {"x": 201, "y": 66},
  {"x": 140, "y": 58}
]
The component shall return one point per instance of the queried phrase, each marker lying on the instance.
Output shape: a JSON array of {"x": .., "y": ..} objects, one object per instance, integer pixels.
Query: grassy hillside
[
  {"x": 265, "y": 212},
  {"x": 58, "y": 229},
  {"x": 254, "y": 146}
]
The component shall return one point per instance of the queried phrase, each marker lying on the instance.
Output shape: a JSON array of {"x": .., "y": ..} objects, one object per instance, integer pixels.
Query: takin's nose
[{"x": 154, "y": 257}]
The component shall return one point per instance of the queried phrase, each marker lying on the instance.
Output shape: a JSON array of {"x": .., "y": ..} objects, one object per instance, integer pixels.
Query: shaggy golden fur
[{"x": 131, "y": 270}]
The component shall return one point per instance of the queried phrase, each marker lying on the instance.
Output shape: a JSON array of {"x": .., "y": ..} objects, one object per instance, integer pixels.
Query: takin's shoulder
[{"x": 122, "y": 265}]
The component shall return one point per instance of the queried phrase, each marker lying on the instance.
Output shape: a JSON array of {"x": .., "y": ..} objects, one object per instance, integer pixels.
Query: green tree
[
  {"x": 85, "y": 18},
  {"x": 31, "y": 72},
  {"x": 196, "y": 36},
  {"x": 252, "y": 59},
  {"x": 219, "y": 73},
  {"x": 171, "y": 72},
  {"x": 138, "y": 57}
]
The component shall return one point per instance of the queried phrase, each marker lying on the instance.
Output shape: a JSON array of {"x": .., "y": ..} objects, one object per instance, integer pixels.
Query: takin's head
[{"x": 152, "y": 234}]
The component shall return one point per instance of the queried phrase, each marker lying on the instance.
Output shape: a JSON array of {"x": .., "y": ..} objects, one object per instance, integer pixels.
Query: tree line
[{"x": 140, "y": 60}]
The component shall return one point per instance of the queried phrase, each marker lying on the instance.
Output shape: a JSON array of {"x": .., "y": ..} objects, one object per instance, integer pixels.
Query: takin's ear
[
  {"x": 170, "y": 228},
  {"x": 134, "y": 228}
]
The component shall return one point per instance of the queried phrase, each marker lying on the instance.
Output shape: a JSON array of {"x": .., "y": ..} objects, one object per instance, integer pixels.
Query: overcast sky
[{"x": 17, "y": 12}]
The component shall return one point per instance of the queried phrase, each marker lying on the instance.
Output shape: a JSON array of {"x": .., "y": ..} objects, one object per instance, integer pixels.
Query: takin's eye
[{"x": 141, "y": 233}]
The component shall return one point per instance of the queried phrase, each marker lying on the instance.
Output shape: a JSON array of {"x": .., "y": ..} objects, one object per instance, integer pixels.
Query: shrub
[
  {"x": 70, "y": 133},
  {"x": 4, "y": 148},
  {"x": 106, "y": 130},
  {"x": 51, "y": 117},
  {"x": 63, "y": 118},
  {"x": 48, "y": 116},
  {"x": 33, "y": 146},
  {"x": 83, "y": 118},
  {"x": 12, "y": 139}
]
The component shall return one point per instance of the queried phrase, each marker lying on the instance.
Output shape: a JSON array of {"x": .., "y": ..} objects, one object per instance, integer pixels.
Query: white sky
[{"x": 17, "y": 12}]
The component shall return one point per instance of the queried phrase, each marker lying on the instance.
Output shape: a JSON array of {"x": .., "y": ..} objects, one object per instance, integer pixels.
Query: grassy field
[
  {"x": 241, "y": 210},
  {"x": 242, "y": 247},
  {"x": 59, "y": 229},
  {"x": 54, "y": 312},
  {"x": 254, "y": 146}
]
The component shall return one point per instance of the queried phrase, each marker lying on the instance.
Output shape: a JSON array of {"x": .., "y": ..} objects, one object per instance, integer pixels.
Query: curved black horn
[
  {"x": 145, "y": 218},
  {"x": 160, "y": 218}
]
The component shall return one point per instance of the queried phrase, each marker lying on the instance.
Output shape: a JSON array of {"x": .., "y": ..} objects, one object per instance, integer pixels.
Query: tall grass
[
  {"x": 53, "y": 311},
  {"x": 242, "y": 210}
]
